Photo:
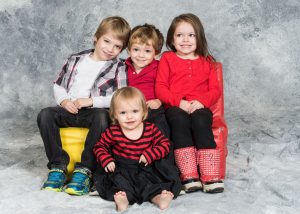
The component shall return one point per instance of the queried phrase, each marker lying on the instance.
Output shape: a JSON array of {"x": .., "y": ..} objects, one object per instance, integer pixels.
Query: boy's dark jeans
[
  {"x": 52, "y": 118},
  {"x": 157, "y": 116}
]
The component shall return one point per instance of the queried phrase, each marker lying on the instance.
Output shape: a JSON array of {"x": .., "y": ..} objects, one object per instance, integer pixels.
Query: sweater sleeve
[
  {"x": 160, "y": 146},
  {"x": 120, "y": 80},
  {"x": 162, "y": 86},
  {"x": 102, "y": 148},
  {"x": 61, "y": 75},
  {"x": 102, "y": 101},
  {"x": 60, "y": 93},
  {"x": 121, "y": 76},
  {"x": 211, "y": 97}
]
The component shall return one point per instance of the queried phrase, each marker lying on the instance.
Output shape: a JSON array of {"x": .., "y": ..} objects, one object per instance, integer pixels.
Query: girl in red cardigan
[
  {"x": 187, "y": 84},
  {"x": 132, "y": 153}
]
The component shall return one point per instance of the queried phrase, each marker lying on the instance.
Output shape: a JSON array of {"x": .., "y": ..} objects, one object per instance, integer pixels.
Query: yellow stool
[{"x": 73, "y": 140}]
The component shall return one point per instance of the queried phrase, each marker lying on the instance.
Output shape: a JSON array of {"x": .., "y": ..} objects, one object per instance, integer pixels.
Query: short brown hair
[
  {"x": 127, "y": 93},
  {"x": 144, "y": 33},
  {"x": 202, "y": 47},
  {"x": 117, "y": 25}
]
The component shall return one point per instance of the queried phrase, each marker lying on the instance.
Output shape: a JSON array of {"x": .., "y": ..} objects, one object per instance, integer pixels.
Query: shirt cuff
[{"x": 101, "y": 101}]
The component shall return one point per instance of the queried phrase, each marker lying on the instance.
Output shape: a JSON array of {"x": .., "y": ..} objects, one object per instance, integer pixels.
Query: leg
[
  {"x": 49, "y": 121},
  {"x": 157, "y": 116},
  {"x": 208, "y": 157},
  {"x": 180, "y": 125},
  {"x": 97, "y": 120},
  {"x": 121, "y": 201},
  {"x": 184, "y": 150},
  {"x": 202, "y": 129},
  {"x": 163, "y": 200},
  {"x": 209, "y": 167}
]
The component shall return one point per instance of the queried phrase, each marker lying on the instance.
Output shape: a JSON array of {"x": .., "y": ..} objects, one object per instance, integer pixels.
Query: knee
[
  {"x": 101, "y": 117},
  {"x": 177, "y": 115},
  {"x": 202, "y": 117},
  {"x": 44, "y": 115}
]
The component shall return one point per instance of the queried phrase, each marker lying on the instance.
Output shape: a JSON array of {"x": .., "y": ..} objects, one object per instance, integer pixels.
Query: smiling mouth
[
  {"x": 130, "y": 122},
  {"x": 107, "y": 54},
  {"x": 141, "y": 61},
  {"x": 185, "y": 46}
]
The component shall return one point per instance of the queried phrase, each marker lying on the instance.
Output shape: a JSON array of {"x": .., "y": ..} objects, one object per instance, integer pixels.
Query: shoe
[
  {"x": 55, "y": 181},
  {"x": 182, "y": 192},
  {"x": 213, "y": 187},
  {"x": 80, "y": 183},
  {"x": 93, "y": 191},
  {"x": 191, "y": 185}
]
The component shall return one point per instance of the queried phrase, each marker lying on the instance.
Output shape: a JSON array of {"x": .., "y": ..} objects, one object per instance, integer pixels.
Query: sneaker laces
[
  {"x": 56, "y": 175},
  {"x": 79, "y": 177}
]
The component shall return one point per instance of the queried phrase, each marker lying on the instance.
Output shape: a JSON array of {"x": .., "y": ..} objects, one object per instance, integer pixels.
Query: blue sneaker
[
  {"x": 55, "y": 181},
  {"x": 80, "y": 183}
]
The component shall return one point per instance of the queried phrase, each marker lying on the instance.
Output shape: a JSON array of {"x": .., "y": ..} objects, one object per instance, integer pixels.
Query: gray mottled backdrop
[{"x": 257, "y": 41}]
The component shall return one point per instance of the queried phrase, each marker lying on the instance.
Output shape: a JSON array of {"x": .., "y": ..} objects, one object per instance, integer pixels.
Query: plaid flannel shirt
[{"x": 111, "y": 77}]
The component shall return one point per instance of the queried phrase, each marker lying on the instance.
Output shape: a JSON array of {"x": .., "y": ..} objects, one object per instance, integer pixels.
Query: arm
[
  {"x": 159, "y": 149},
  {"x": 121, "y": 76},
  {"x": 162, "y": 86},
  {"x": 102, "y": 147},
  {"x": 63, "y": 99},
  {"x": 101, "y": 101},
  {"x": 211, "y": 97},
  {"x": 119, "y": 81},
  {"x": 153, "y": 104},
  {"x": 60, "y": 94}
]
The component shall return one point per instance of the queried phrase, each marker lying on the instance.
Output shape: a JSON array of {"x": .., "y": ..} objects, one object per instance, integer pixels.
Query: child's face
[
  {"x": 107, "y": 47},
  {"x": 185, "y": 40},
  {"x": 129, "y": 114},
  {"x": 141, "y": 55}
]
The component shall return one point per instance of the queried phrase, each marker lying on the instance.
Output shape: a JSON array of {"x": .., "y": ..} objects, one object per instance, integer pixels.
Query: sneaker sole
[
  {"x": 71, "y": 191},
  {"x": 52, "y": 189},
  {"x": 213, "y": 188},
  {"x": 192, "y": 187}
]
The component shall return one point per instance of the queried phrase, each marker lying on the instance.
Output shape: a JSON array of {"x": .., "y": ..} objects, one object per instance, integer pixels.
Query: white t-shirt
[{"x": 85, "y": 76}]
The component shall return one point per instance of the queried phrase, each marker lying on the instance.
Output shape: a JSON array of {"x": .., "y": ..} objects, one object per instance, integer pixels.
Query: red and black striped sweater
[{"x": 152, "y": 144}]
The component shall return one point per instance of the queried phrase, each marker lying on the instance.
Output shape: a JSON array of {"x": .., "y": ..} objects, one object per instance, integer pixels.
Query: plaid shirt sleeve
[{"x": 121, "y": 76}]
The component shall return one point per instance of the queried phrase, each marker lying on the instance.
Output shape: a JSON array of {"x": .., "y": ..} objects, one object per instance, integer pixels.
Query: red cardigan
[
  {"x": 187, "y": 79},
  {"x": 145, "y": 80}
]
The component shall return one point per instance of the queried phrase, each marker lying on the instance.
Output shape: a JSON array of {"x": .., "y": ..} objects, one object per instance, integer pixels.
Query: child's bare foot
[
  {"x": 121, "y": 201},
  {"x": 163, "y": 200}
]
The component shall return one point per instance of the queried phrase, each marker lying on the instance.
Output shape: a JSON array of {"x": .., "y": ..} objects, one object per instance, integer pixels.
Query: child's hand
[
  {"x": 110, "y": 167},
  {"x": 185, "y": 106},
  {"x": 194, "y": 105},
  {"x": 69, "y": 106},
  {"x": 83, "y": 102},
  {"x": 143, "y": 160},
  {"x": 153, "y": 104}
]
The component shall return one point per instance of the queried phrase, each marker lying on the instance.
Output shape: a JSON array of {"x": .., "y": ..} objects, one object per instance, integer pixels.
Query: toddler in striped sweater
[{"x": 131, "y": 153}]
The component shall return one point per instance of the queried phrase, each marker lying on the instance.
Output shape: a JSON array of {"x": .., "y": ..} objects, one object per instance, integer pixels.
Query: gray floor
[{"x": 262, "y": 172}]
